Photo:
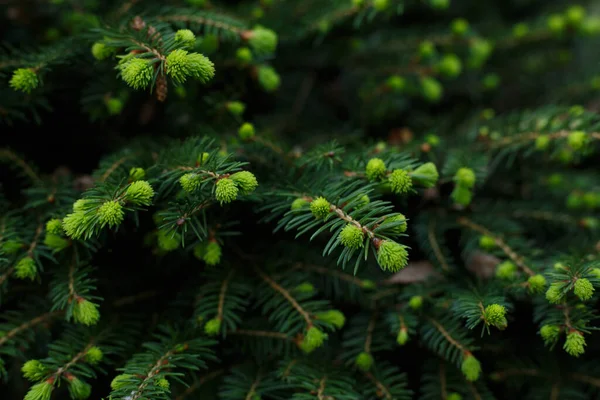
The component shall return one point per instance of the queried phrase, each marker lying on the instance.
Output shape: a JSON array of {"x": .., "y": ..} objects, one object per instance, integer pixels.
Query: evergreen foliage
[{"x": 300, "y": 199}]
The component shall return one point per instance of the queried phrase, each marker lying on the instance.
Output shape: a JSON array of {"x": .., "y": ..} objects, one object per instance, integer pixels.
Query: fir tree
[{"x": 302, "y": 199}]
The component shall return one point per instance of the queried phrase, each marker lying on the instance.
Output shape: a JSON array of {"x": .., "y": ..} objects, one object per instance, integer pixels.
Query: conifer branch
[
  {"x": 275, "y": 335},
  {"x": 385, "y": 393},
  {"x": 251, "y": 392},
  {"x": 333, "y": 272},
  {"x": 448, "y": 337},
  {"x": 435, "y": 245},
  {"x": 202, "y": 20},
  {"x": 196, "y": 385},
  {"x": 370, "y": 329},
  {"x": 114, "y": 167},
  {"x": 443, "y": 382},
  {"x": 155, "y": 369},
  {"x": 20, "y": 162},
  {"x": 532, "y": 136},
  {"x": 287, "y": 296},
  {"x": 517, "y": 259},
  {"x": 29, "y": 324},
  {"x": 222, "y": 294},
  {"x": 321, "y": 391}
]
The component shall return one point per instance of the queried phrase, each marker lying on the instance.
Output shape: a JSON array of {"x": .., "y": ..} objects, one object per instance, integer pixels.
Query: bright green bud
[
  {"x": 462, "y": 195},
  {"x": 163, "y": 383},
  {"x": 495, "y": 314},
  {"x": 177, "y": 66},
  {"x": 471, "y": 368},
  {"x": 554, "y": 294},
  {"x": 380, "y": 5},
  {"x": 34, "y": 370},
  {"x": 583, "y": 289},
  {"x": 246, "y": 131},
  {"x": 262, "y": 41},
  {"x": 236, "y": 107},
  {"x": 100, "y": 51},
  {"x": 574, "y": 200},
  {"x": 426, "y": 174},
  {"x": 85, "y": 312},
  {"x": 575, "y": 344},
  {"x": 139, "y": 193},
  {"x": 487, "y": 242},
  {"x": 575, "y": 15},
  {"x": 121, "y": 381},
  {"x": 591, "y": 199},
  {"x": 392, "y": 256},
  {"x": 537, "y": 283},
  {"x": 246, "y": 181},
  {"x": 114, "y": 106},
  {"x": 78, "y": 389},
  {"x": 136, "y": 174},
  {"x": 576, "y": 140},
  {"x": 202, "y": 158},
  {"x": 595, "y": 272},
  {"x": 368, "y": 284},
  {"x": 363, "y": 201},
  {"x": 591, "y": 26},
  {"x": 168, "y": 241},
  {"x": 305, "y": 287},
  {"x": 426, "y": 49},
  {"x": 416, "y": 302},
  {"x": 226, "y": 191},
  {"x": 364, "y": 361},
  {"x": 401, "y": 228},
  {"x": 520, "y": 30},
  {"x": 465, "y": 177},
  {"x": 268, "y": 78},
  {"x": 439, "y": 4},
  {"x": 454, "y": 396},
  {"x": 137, "y": 73},
  {"x": 24, "y": 80},
  {"x": 313, "y": 339},
  {"x": 333, "y": 317},
  {"x": 491, "y": 81},
  {"x": 26, "y": 269},
  {"x": 450, "y": 66},
  {"x": 400, "y": 181},
  {"x": 396, "y": 83},
  {"x": 190, "y": 182},
  {"x": 55, "y": 242},
  {"x": 111, "y": 213},
  {"x": 375, "y": 169},
  {"x": 212, "y": 253},
  {"x": 480, "y": 50},
  {"x": 200, "y": 67},
  {"x": 80, "y": 205},
  {"x": 402, "y": 337},
  {"x": 320, "y": 207},
  {"x": 298, "y": 203},
  {"x": 506, "y": 270},
  {"x": 550, "y": 334},
  {"x": 54, "y": 226},
  {"x": 542, "y": 142},
  {"x": 432, "y": 89},
  {"x": 94, "y": 355},
  {"x": 590, "y": 223},
  {"x": 556, "y": 23},
  {"x": 40, "y": 391},
  {"x": 459, "y": 26},
  {"x": 244, "y": 55},
  {"x": 208, "y": 44},
  {"x": 72, "y": 224},
  {"x": 212, "y": 327},
  {"x": 12, "y": 246},
  {"x": 185, "y": 37},
  {"x": 352, "y": 237}
]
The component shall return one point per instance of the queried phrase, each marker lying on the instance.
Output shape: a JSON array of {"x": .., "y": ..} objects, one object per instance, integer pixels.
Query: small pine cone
[{"x": 161, "y": 88}]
